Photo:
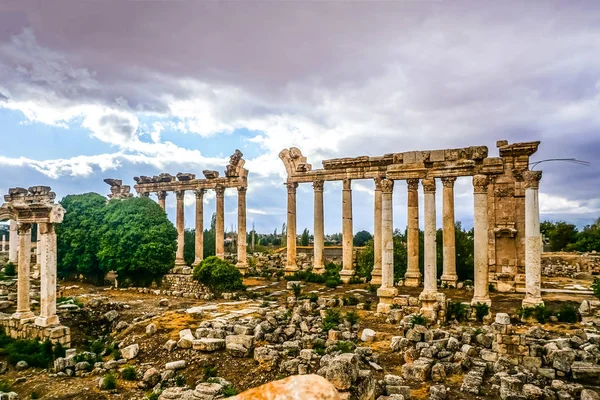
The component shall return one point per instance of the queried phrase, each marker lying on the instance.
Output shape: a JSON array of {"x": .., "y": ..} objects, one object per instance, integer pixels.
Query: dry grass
[{"x": 420, "y": 393}]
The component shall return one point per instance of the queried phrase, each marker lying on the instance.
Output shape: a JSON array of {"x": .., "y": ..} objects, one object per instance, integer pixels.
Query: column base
[
  {"x": 449, "y": 280},
  {"x": 483, "y": 300},
  {"x": 386, "y": 298},
  {"x": 318, "y": 269},
  {"x": 23, "y": 315},
  {"x": 197, "y": 261},
  {"x": 532, "y": 302},
  {"x": 290, "y": 269},
  {"x": 431, "y": 304},
  {"x": 376, "y": 280},
  {"x": 412, "y": 279},
  {"x": 243, "y": 267},
  {"x": 346, "y": 274},
  {"x": 47, "y": 321},
  {"x": 180, "y": 262}
]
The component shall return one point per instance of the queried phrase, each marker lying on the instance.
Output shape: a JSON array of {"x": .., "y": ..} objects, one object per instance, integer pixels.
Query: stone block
[{"x": 208, "y": 344}]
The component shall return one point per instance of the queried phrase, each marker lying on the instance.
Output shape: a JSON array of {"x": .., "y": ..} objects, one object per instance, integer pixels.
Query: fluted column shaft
[
  {"x": 291, "y": 228},
  {"x": 430, "y": 270},
  {"x": 533, "y": 241},
  {"x": 387, "y": 291},
  {"x": 242, "y": 263},
  {"x": 47, "y": 276},
  {"x": 13, "y": 241},
  {"x": 376, "y": 273},
  {"x": 162, "y": 197},
  {"x": 449, "y": 276},
  {"x": 480, "y": 239},
  {"x": 199, "y": 234},
  {"x": 23, "y": 285},
  {"x": 347, "y": 235},
  {"x": 319, "y": 228},
  {"x": 412, "y": 277},
  {"x": 180, "y": 223},
  {"x": 220, "y": 223}
]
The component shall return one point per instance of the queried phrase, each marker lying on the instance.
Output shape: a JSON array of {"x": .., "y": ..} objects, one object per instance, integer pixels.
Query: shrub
[
  {"x": 481, "y": 310},
  {"x": 395, "y": 306},
  {"x": 332, "y": 283},
  {"x": 9, "y": 269},
  {"x": 109, "y": 382},
  {"x": 344, "y": 346},
  {"x": 355, "y": 280},
  {"x": 368, "y": 304},
  {"x": 218, "y": 275},
  {"x": 595, "y": 287},
  {"x": 129, "y": 373},
  {"x": 5, "y": 386},
  {"x": 541, "y": 313},
  {"x": 265, "y": 304},
  {"x": 491, "y": 288},
  {"x": 152, "y": 396},
  {"x": 296, "y": 289},
  {"x": 350, "y": 300},
  {"x": 209, "y": 371},
  {"x": 457, "y": 310},
  {"x": 319, "y": 347},
  {"x": 332, "y": 319},
  {"x": 229, "y": 390},
  {"x": 372, "y": 288},
  {"x": 36, "y": 354},
  {"x": 352, "y": 317},
  {"x": 179, "y": 380},
  {"x": 567, "y": 313},
  {"x": 35, "y": 395},
  {"x": 417, "y": 319}
]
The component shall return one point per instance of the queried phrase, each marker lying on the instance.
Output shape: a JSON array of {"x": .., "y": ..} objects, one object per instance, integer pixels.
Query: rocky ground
[{"x": 237, "y": 343}]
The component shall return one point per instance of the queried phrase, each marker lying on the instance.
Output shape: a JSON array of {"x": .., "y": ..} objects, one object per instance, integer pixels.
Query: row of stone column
[
  {"x": 47, "y": 263},
  {"x": 199, "y": 222}
]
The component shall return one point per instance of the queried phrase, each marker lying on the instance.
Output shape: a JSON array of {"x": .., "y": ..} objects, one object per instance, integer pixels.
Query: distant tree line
[{"x": 562, "y": 236}]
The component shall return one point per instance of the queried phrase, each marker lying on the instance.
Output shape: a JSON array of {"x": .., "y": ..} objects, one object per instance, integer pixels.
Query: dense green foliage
[
  {"x": 10, "y": 269},
  {"x": 138, "y": 241},
  {"x": 305, "y": 238},
  {"x": 189, "y": 242},
  {"x": 458, "y": 311},
  {"x": 564, "y": 236},
  {"x": 332, "y": 319},
  {"x": 218, "y": 275},
  {"x": 78, "y": 237},
  {"x": 481, "y": 310},
  {"x": 35, "y": 353},
  {"x": 361, "y": 238}
]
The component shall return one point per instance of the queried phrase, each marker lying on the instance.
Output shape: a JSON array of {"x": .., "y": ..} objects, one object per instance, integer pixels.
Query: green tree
[
  {"x": 464, "y": 245},
  {"x": 305, "y": 238},
  {"x": 189, "y": 246},
  {"x": 559, "y": 234},
  {"x": 209, "y": 238},
  {"x": 78, "y": 237},
  {"x": 218, "y": 275},
  {"x": 361, "y": 238},
  {"x": 138, "y": 241},
  {"x": 588, "y": 239}
]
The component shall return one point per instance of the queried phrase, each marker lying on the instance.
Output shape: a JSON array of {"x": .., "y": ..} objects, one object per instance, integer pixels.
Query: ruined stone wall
[
  {"x": 18, "y": 330},
  {"x": 570, "y": 265},
  {"x": 182, "y": 285}
]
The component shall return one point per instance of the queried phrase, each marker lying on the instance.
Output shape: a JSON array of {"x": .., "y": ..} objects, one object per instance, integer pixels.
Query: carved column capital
[
  {"x": 532, "y": 179},
  {"x": 413, "y": 184},
  {"x": 162, "y": 194},
  {"x": 23, "y": 228},
  {"x": 480, "y": 183},
  {"x": 199, "y": 193},
  {"x": 377, "y": 181},
  {"x": 428, "y": 185},
  {"x": 242, "y": 189},
  {"x": 45, "y": 228},
  {"x": 220, "y": 190},
  {"x": 180, "y": 194},
  {"x": 318, "y": 185},
  {"x": 291, "y": 187},
  {"x": 448, "y": 181},
  {"x": 387, "y": 186}
]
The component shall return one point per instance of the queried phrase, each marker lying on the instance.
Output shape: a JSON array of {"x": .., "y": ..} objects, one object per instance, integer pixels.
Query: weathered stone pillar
[
  {"x": 533, "y": 241},
  {"x": 47, "y": 276},
  {"x": 199, "y": 234},
  {"x": 480, "y": 239},
  {"x": 291, "y": 266},
  {"x": 23, "y": 285},
  {"x": 220, "y": 223},
  {"x": 12, "y": 242},
  {"x": 3, "y": 244},
  {"x": 449, "y": 276},
  {"x": 376, "y": 273},
  {"x": 387, "y": 291},
  {"x": 162, "y": 196},
  {"x": 347, "y": 235},
  {"x": 179, "y": 260},
  {"x": 319, "y": 228},
  {"x": 412, "y": 277},
  {"x": 242, "y": 263}
]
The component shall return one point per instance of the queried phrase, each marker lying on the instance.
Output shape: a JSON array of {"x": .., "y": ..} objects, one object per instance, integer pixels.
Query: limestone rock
[
  {"x": 532, "y": 392},
  {"x": 503, "y": 319},
  {"x": 177, "y": 393},
  {"x": 208, "y": 391},
  {"x": 266, "y": 356},
  {"x": 151, "y": 329},
  {"x": 240, "y": 345},
  {"x": 21, "y": 365},
  {"x": 368, "y": 335},
  {"x": 151, "y": 376},
  {"x": 208, "y": 344},
  {"x": 311, "y": 387},
  {"x": 175, "y": 365},
  {"x": 111, "y": 315},
  {"x": 438, "y": 392},
  {"x": 417, "y": 371},
  {"x": 170, "y": 345},
  {"x": 587, "y": 394},
  {"x": 130, "y": 352},
  {"x": 586, "y": 372},
  {"x": 342, "y": 371}
]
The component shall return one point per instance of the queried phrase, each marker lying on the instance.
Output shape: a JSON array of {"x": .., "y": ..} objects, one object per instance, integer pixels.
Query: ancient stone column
[
  {"x": 480, "y": 239},
  {"x": 347, "y": 235},
  {"x": 412, "y": 277},
  {"x": 319, "y": 228},
  {"x": 291, "y": 266},
  {"x": 242, "y": 263},
  {"x": 179, "y": 260},
  {"x": 199, "y": 234},
  {"x": 533, "y": 241},
  {"x": 220, "y": 223},
  {"x": 23, "y": 306},
  {"x": 3, "y": 244},
  {"x": 449, "y": 276},
  {"x": 376, "y": 273},
  {"x": 47, "y": 276},
  {"x": 12, "y": 242},
  {"x": 162, "y": 196},
  {"x": 387, "y": 291}
]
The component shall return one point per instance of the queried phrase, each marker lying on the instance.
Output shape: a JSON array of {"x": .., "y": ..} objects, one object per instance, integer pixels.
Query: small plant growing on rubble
[
  {"x": 9, "y": 269},
  {"x": 35, "y": 395},
  {"x": 457, "y": 310},
  {"x": 109, "y": 382},
  {"x": 395, "y": 306},
  {"x": 209, "y": 371},
  {"x": 319, "y": 347},
  {"x": 355, "y": 280},
  {"x": 417, "y": 319},
  {"x": 491, "y": 287},
  {"x": 481, "y": 310},
  {"x": 5, "y": 386},
  {"x": 344, "y": 346},
  {"x": 297, "y": 290},
  {"x": 332, "y": 283},
  {"x": 152, "y": 396},
  {"x": 567, "y": 313},
  {"x": 229, "y": 391},
  {"x": 129, "y": 373},
  {"x": 350, "y": 300},
  {"x": 179, "y": 380},
  {"x": 595, "y": 287},
  {"x": 265, "y": 304},
  {"x": 332, "y": 319},
  {"x": 352, "y": 317},
  {"x": 368, "y": 304},
  {"x": 372, "y": 288}
]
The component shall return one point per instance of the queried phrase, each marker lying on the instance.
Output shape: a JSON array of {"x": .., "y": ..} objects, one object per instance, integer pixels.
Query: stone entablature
[{"x": 502, "y": 186}]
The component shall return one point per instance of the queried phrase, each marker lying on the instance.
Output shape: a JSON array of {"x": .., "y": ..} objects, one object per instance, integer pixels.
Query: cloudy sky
[{"x": 96, "y": 89}]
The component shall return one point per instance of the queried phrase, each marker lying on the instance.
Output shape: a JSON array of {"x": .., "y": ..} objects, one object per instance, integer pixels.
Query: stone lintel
[
  {"x": 518, "y": 149},
  {"x": 194, "y": 184}
]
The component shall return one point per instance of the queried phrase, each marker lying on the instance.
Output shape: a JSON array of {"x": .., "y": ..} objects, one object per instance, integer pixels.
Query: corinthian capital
[
  {"x": 162, "y": 194},
  {"x": 428, "y": 185},
  {"x": 318, "y": 185},
  {"x": 220, "y": 190},
  {"x": 448, "y": 181},
  {"x": 24, "y": 228},
  {"x": 413, "y": 184},
  {"x": 179, "y": 194},
  {"x": 291, "y": 187},
  {"x": 199, "y": 193},
  {"x": 532, "y": 179},
  {"x": 387, "y": 186},
  {"x": 480, "y": 183}
]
